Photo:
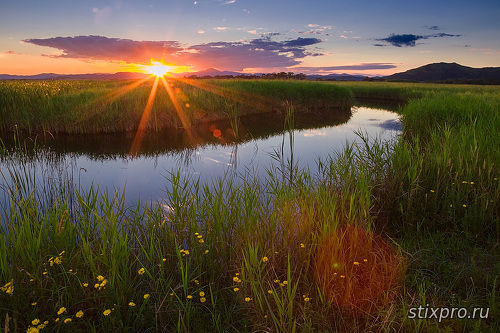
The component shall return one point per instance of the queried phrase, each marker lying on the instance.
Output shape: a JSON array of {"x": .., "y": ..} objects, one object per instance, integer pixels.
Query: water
[{"x": 210, "y": 151}]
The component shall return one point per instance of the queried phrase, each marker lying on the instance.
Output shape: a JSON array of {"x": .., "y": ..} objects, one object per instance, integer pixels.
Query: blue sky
[{"x": 366, "y": 37}]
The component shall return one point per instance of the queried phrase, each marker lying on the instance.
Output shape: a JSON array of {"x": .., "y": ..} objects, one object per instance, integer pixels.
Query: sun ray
[
  {"x": 136, "y": 144},
  {"x": 99, "y": 103}
]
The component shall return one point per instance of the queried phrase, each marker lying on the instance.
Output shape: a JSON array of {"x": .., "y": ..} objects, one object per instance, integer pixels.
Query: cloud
[
  {"x": 221, "y": 28},
  {"x": 409, "y": 39},
  {"x": 316, "y": 29},
  {"x": 10, "y": 52},
  {"x": 229, "y": 2},
  {"x": 253, "y": 32},
  {"x": 201, "y": 31},
  {"x": 101, "y": 14},
  {"x": 104, "y": 48},
  {"x": 432, "y": 27},
  {"x": 263, "y": 52}
]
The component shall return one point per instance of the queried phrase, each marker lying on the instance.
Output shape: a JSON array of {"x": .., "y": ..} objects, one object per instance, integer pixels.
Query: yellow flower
[
  {"x": 61, "y": 310},
  {"x": 365, "y": 260},
  {"x": 285, "y": 282},
  {"x": 356, "y": 263},
  {"x": 35, "y": 322},
  {"x": 131, "y": 304},
  {"x": 141, "y": 271},
  {"x": 60, "y": 254},
  {"x": 56, "y": 320},
  {"x": 103, "y": 283},
  {"x": 196, "y": 234},
  {"x": 67, "y": 320},
  {"x": 265, "y": 259},
  {"x": 472, "y": 183},
  {"x": 106, "y": 312},
  {"x": 201, "y": 241},
  {"x": 206, "y": 251},
  {"x": 197, "y": 282},
  {"x": 85, "y": 284},
  {"x": 71, "y": 270},
  {"x": 432, "y": 191},
  {"x": 236, "y": 279},
  {"x": 164, "y": 259},
  {"x": 189, "y": 296},
  {"x": 32, "y": 280},
  {"x": 236, "y": 289},
  {"x": 100, "y": 278},
  {"x": 464, "y": 182},
  {"x": 32, "y": 329},
  {"x": 464, "y": 205},
  {"x": 200, "y": 236},
  {"x": 41, "y": 326},
  {"x": 58, "y": 260},
  {"x": 202, "y": 293},
  {"x": 269, "y": 291},
  {"x": 342, "y": 276},
  {"x": 45, "y": 273},
  {"x": 247, "y": 299},
  {"x": 237, "y": 274},
  {"x": 96, "y": 285},
  {"x": 34, "y": 303},
  {"x": 46, "y": 322},
  {"x": 277, "y": 281},
  {"x": 79, "y": 314},
  {"x": 203, "y": 299},
  {"x": 146, "y": 296},
  {"x": 306, "y": 299},
  {"x": 302, "y": 245}
]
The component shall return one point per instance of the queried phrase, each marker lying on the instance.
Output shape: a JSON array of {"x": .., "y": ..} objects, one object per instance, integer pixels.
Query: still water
[{"x": 210, "y": 151}]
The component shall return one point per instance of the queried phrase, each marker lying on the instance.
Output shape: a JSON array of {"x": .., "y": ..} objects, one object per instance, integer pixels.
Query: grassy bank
[
  {"x": 286, "y": 253},
  {"x": 117, "y": 106}
]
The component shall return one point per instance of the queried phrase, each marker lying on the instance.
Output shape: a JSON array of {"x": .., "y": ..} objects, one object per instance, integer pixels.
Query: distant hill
[
  {"x": 90, "y": 76},
  {"x": 448, "y": 72}
]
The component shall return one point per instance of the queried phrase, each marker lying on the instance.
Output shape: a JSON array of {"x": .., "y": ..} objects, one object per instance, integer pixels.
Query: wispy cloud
[
  {"x": 221, "y": 28},
  {"x": 101, "y": 14},
  {"x": 316, "y": 29},
  {"x": 201, "y": 31},
  {"x": 409, "y": 39},
  {"x": 359, "y": 67},
  {"x": 229, "y": 2}
]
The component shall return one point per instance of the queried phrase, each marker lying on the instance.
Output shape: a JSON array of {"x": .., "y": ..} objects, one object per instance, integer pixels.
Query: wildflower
[
  {"x": 60, "y": 254},
  {"x": 342, "y": 276},
  {"x": 236, "y": 289},
  {"x": 61, "y": 311},
  {"x": 164, "y": 259},
  {"x": 432, "y": 191},
  {"x": 356, "y": 263},
  {"x": 277, "y": 281},
  {"x": 495, "y": 178},
  {"x": 206, "y": 251},
  {"x": 141, "y": 271},
  {"x": 34, "y": 303},
  {"x": 335, "y": 273},
  {"x": 131, "y": 304},
  {"x": 237, "y": 274},
  {"x": 282, "y": 285},
  {"x": 32, "y": 329},
  {"x": 306, "y": 299},
  {"x": 197, "y": 282},
  {"x": 106, "y": 312},
  {"x": 464, "y": 182},
  {"x": 236, "y": 279},
  {"x": 275, "y": 252},
  {"x": 32, "y": 280},
  {"x": 189, "y": 296},
  {"x": 100, "y": 278},
  {"x": 45, "y": 273},
  {"x": 196, "y": 234},
  {"x": 269, "y": 291},
  {"x": 365, "y": 260},
  {"x": 265, "y": 259},
  {"x": 202, "y": 293},
  {"x": 67, "y": 320},
  {"x": 472, "y": 183},
  {"x": 85, "y": 284},
  {"x": 58, "y": 260},
  {"x": 200, "y": 236},
  {"x": 41, "y": 326},
  {"x": 464, "y": 205},
  {"x": 265, "y": 316},
  {"x": 247, "y": 299},
  {"x": 70, "y": 270},
  {"x": 146, "y": 296},
  {"x": 56, "y": 320},
  {"x": 46, "y": 322},
  {"x": 103, "y": 283},
  {"x": 35, "y": 322},
  {"x": 203, "y": 299},
  {"x": 285, "y": 282},
  {"x": 79, "y": 314},
  {"x": 302, "y": 245},
  {"x": 201, "y": 241},
  {"x": 96, "y": 285},
  {"x": 451, "y": 205},
  {"x": 171, "y": 294}
]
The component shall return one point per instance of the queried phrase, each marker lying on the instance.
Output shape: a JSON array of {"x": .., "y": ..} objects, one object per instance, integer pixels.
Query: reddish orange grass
[{"x": 357, "y": 270}]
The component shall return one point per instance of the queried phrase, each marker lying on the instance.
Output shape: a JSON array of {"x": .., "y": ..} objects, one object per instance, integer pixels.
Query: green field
[{"x": 381, "y": 229}]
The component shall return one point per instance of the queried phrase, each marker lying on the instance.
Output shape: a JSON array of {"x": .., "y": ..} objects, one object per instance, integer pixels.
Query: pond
[{"x": 251, "y": 145}]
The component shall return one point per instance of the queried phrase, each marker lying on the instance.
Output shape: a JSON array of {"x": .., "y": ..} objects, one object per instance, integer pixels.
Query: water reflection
[{"x": 103, "y": 160}]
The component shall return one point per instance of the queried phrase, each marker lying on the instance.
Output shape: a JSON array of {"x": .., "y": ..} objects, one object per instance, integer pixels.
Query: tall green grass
[{"x": 215, "y": 257}]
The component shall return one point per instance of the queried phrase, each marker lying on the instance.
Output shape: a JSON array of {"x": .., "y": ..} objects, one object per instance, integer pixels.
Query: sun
[{"x": 159, "y": 69}]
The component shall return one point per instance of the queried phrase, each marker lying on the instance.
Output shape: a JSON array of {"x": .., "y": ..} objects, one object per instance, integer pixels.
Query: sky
[{"x": 253, "y": 36}]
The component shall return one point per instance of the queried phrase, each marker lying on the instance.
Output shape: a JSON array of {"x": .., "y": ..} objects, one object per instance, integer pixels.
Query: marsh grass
[{"x": 262, "y": 236}]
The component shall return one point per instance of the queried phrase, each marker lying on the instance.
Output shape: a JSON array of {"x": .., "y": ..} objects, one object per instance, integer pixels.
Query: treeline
[{"x": 266, "y": 76}]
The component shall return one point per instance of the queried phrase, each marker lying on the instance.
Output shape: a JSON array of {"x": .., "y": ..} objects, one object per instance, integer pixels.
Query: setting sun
[{"x": 159, "y": 69}]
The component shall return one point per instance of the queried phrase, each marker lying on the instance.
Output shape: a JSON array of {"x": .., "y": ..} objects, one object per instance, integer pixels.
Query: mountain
[
  {"x": 338, "y": 77},
  {"x": 448, "y": 72},
  {"x": 91, "y": 76},
  {"x": 212, "y": 72}
]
